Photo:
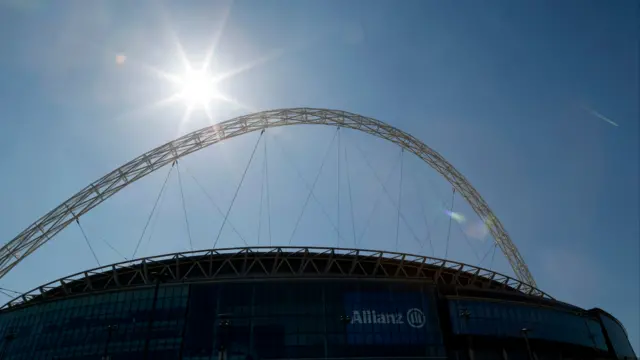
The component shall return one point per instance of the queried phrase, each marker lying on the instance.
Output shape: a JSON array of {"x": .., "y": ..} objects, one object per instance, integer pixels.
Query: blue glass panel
[
  {"x": 269, "y": 320},
  {"x": 618, "y": 337},
  {"x": 511, "y": 320}
]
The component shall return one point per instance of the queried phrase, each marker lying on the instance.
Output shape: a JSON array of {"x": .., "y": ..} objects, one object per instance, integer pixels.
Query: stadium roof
[{"x": 275, "y": 263}]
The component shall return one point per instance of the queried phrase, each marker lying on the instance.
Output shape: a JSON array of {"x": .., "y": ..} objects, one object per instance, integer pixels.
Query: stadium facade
[{"x": 300, "y": 303}]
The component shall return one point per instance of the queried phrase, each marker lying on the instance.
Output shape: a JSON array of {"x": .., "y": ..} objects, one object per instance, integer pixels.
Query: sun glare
[{"x": 197, "y": 88}]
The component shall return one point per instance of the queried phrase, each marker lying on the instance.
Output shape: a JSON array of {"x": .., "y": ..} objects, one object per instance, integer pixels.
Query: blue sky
[{"x": 506, "y": 91}]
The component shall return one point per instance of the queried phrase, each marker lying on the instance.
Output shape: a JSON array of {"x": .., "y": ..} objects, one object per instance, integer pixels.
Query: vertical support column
[
  {"x": 423, "y": 304},
  {"x": 186, "y": 322},
  {"x": 147, "y": 340},
  {"x": 6, "y": 344},
  {"x": 110, "y": 328},
  {"x": 612, "y": 352},
  {"x": 219, "y": 294},
  {"x": 216, "y": 324},
  {"x": 472, "y": 355},
  {"x": 442, "y": 306},
  {"x": 525, "y": 331},
  {"x": 253, "y": 311}
]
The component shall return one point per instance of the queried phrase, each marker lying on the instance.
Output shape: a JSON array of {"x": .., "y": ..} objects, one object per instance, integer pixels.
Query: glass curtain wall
[
  {"x": 297, "y": 319},
  {"x": 96, "y": 325},
  {"x": 244, "y": 320},
  {"x": 525, "y": 325},
  {"x": 618, "y": 337}
]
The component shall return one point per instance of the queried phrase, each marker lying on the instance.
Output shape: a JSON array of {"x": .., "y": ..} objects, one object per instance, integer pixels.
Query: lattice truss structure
[
  {"x": 276, "y": 263},
  {"x": 100, "y": 190}
]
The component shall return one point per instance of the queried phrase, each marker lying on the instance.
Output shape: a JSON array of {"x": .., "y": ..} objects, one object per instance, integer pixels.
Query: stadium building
[
  {"x": 292, "y": 303},
  {"x": 300, "y": 303}
]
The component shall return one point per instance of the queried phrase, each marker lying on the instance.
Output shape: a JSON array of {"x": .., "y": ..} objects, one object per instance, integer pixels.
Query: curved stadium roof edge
[{"x": 275, "y": 262}]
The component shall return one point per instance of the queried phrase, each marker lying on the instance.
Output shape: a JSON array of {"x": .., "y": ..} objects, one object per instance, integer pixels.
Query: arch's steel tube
[{"x": 95, "y": 193}]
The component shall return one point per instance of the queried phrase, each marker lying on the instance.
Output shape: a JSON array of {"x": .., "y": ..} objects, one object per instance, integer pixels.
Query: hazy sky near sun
[{"x": 535, "y": 102}]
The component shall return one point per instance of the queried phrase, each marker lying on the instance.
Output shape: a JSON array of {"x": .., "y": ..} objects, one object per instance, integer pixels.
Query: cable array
[
  {"x": 386, "y": 191},
  {"x": 153, "y": 209},
  {"x": 91, "y": 196},
  {"x": 235, "y": 195},
  {"x": 184, "y": 207},
  {"x": 313, "y": 185},
  {"x": 353, "y": 221},
  {"x": 446, "y": 251},
  {"x": 86, "y": 239},
  {"x": 399, "y": 198}
]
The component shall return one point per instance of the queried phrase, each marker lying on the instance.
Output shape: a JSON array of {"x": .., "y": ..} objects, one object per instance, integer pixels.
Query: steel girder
[
  {"x": 95, "y": 193},
  {"x": 274, "y": 262}
]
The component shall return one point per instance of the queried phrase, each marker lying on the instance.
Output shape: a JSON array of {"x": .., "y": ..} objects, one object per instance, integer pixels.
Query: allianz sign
[{"x": 413, "y": 317}]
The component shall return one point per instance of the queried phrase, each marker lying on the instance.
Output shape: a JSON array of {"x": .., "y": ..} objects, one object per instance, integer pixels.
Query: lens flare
[
  {"x": 480, "y": 229},
  {"x": 459, "y": 218},
  {"x": 477, "y": 230},
  {"x": 120, "y": 59}
]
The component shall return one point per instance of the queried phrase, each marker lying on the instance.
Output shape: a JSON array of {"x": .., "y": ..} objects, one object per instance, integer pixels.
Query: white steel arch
[{"x": 95, "y": 193}]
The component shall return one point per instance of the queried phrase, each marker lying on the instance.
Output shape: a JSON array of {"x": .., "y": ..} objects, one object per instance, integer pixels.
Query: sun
[{"x": 197, "y": 88}]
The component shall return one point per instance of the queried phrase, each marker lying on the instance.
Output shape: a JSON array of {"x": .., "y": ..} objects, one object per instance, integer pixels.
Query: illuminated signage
[{"x": 414, "y": 317}]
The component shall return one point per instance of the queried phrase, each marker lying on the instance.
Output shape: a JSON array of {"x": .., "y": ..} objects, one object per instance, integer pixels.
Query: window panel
[
  {"x": 276, "y": 320},
  {"x": 508, "y": 319},
  {"x": 618, "y": 337}
]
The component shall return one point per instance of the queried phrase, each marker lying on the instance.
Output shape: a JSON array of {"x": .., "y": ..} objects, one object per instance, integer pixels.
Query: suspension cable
[
  {"x": 384, "y": 187},
  {"x": 164, "y": 184},
  {"x": 353, "y": 223},
  {"x": 485, "y": 255},
  {"x": 377, "y": 201},
  {"x": 215, "y": 205},
  {"x": 113, "y": 248},
  {"x": 446, "y": 251},
  {"x": 88, "y": 242},
  {"x": 9, "y": 290},
  {"x": 266, "y": 174},
  {"x": 152, "y": 225},
  {"x": 464, "y": 235},
  {"x": 315, "y": 181},
  {"x": 495, "y": 246},
  {"x": 306, "y": 184},
  {"x": 466, "y": 238},
  {"x": 237, "y": 191},
  {"x": 338, "y": 205},
  {"x": 184, "y": 205},
  {"x": 399, "y": 198},
  {"x": 261, "y": 200},
  {"x": 5, "y": 292},
  {"x": 424, "y": 213}
]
